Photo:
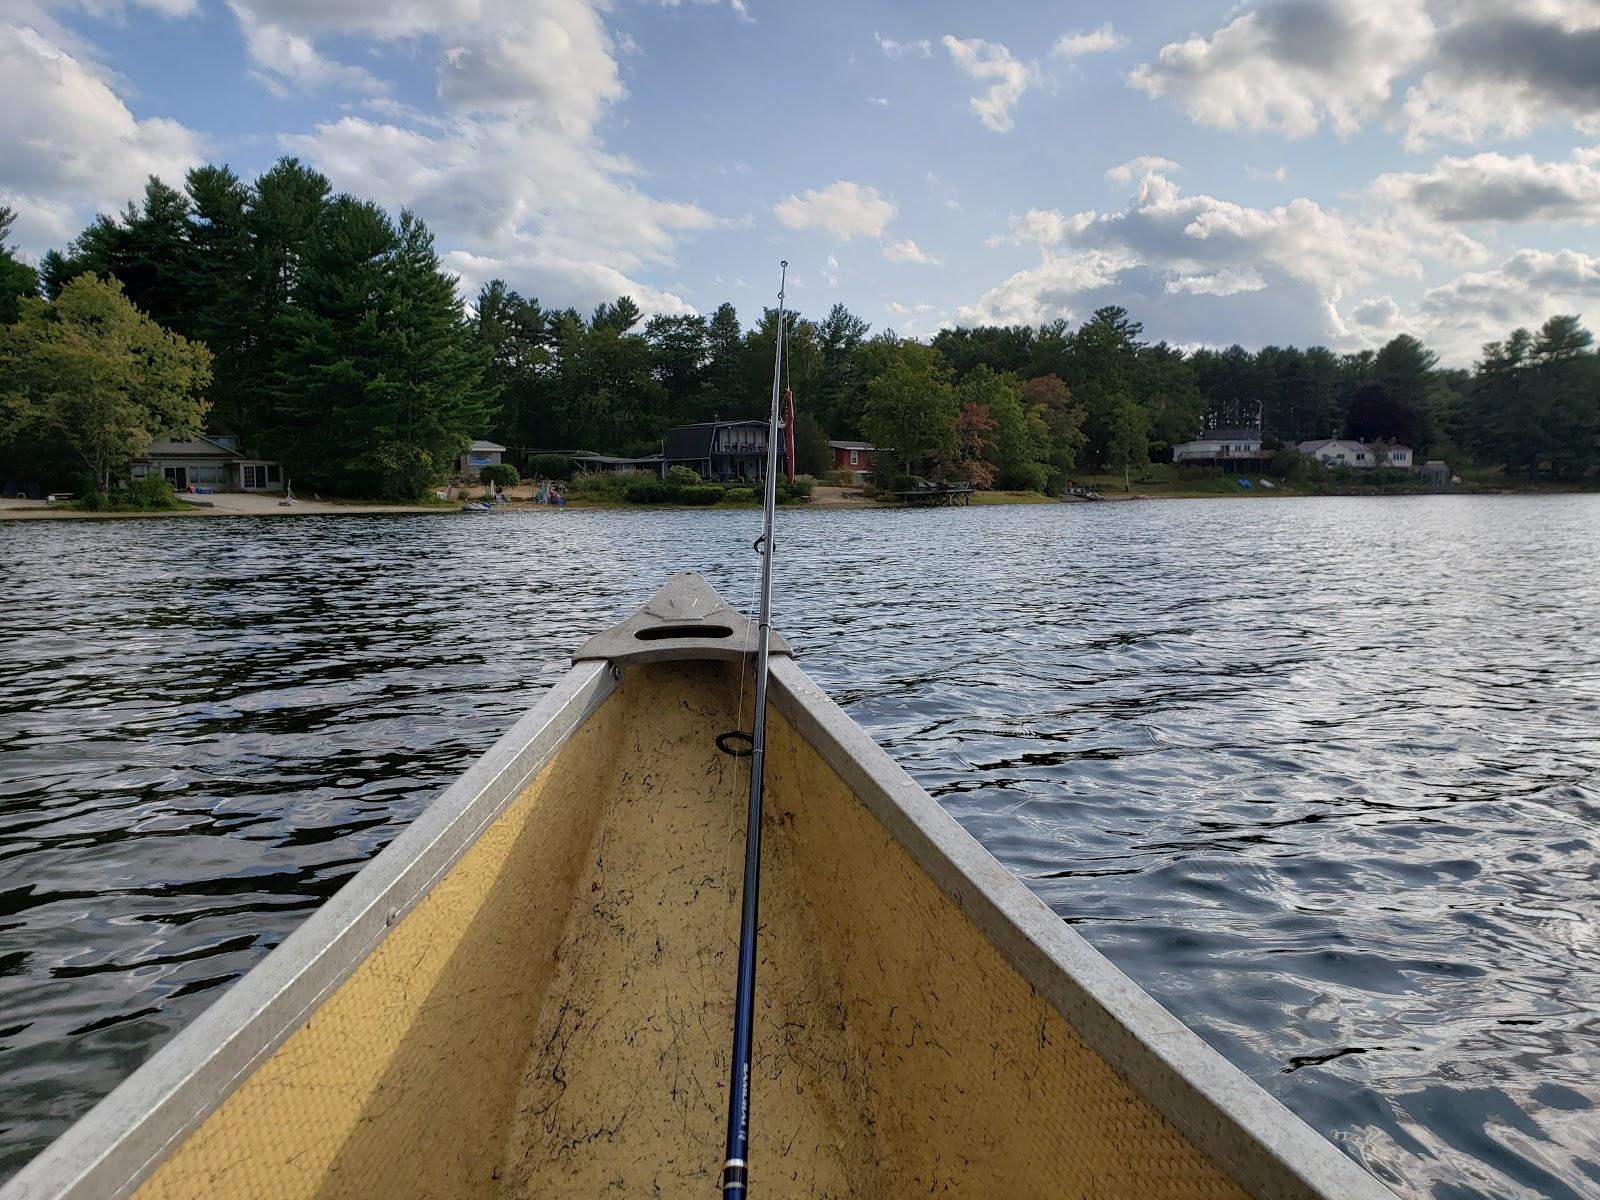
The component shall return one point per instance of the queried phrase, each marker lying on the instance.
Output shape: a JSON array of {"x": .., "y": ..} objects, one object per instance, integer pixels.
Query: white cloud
[
  {"x": 830, "y": 271},
  {"x": 1048, "y": 291},
  {"x": 1226, "y": 282},
  {"x": 1530, "y": 286},
  {"x": 1277, "y": 174},
  {"x": 1291, "y": 67},
  {"x": 893, "y": 49},
  {"x": 842, "y": 209},
  {"x": 738, "y": 7},
  {"x": 1138, "y": 168},
  {"x": 538, "y": 203},
  {"x": 1299, "y": 257},
  {"x": 990, "y": 61},
  {"x": 546, "y": 60},
  {"x": 1380, "y": 314},
  {"x": 1504, "y": 70},
  {"x": 70, "y": 142},
  {"x": 1045, "y": 227},
  {"x": 880, "y": 101},
  {"x": 1494, "y": 187},
  {"x": 284, "y": 57},
  {"x": 1491, "y": 69},
  {"x": 549, "y": 57},
  {"x": 1095, "y": 41},
  {"x": 907, "y": 251}
]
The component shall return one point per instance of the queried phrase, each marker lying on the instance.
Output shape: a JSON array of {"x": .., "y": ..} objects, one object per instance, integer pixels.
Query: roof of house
[
  {"x": 1317, "y": 444},
  {"x": 691, "y": 443},
  {"x": 196, "y": 447},
  {"x": 852, "y": 445},
  {"x": 480, "y": 444},
  {"x": 613, "y": 459},
  {"x": 1228, "y": 435}
]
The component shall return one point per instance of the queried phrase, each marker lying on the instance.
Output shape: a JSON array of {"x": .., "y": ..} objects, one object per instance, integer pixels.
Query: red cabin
[{"x": 854, "y": 457}]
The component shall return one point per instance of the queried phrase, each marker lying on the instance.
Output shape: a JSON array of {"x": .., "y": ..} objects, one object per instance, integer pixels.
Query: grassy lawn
[{"x": 1166, "y": 480}]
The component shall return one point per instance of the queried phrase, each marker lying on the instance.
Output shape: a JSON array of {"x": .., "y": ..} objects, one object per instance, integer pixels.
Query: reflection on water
[{"x": 1321, "y": 774}]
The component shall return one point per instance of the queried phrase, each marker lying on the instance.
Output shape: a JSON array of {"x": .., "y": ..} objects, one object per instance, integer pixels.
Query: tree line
[{"x": 326, "y": 334}]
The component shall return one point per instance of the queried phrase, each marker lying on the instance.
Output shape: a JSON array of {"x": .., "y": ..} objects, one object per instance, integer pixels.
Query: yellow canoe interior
[{"x": 552, "y": 1019}]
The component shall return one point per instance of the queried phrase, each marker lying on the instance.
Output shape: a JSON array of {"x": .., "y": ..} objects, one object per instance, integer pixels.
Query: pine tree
[
  {"x": 378, "y": 386},
  {"x": 17, "y": 278}
]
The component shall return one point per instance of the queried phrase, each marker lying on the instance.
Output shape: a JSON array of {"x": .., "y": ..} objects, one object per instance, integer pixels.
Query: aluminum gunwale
[
  {"x": 119, "y": 1142},
  {"x": 1272, "y": 1153}
]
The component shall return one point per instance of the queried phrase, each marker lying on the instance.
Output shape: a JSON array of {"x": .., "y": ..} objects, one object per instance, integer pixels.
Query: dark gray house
[
  {"x": 719, "y": 450},
  {"x": 213, "y": 461}
]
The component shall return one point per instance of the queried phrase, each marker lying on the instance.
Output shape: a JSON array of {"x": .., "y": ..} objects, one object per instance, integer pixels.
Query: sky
[{"x": 1290, "y": 172}]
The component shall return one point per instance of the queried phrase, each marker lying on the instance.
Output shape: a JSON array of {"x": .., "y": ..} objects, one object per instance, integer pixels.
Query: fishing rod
[{"x": 735, "y": 1169}]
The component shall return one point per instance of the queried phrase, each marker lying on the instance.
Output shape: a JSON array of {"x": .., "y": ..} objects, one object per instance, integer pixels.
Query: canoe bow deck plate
[{"x": 528, "y": 993}]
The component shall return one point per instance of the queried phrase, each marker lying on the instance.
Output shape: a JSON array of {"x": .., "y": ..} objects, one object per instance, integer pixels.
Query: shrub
[
  {"x": 501, "y": 474},
  {"x": 739, "y": 495},
  {"x": 683, "y": 475},
  {"x": 651, "y": 491},
  {"x": 550, "y": 466},
  {"x": 150, "y": 494},
  {"x": 904, "y": 483},
  {"x": 699, "y": 494},
  {"x": 600, "y": 486},
  {"x": 1026, "y": 477},
  {"x": 794, "y": 493}
]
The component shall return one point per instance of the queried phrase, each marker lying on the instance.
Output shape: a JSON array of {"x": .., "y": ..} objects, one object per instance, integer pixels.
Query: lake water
[{"x": 1322, "y": 775}]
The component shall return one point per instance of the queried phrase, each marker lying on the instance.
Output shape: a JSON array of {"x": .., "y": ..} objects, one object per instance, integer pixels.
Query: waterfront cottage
[
  {"x": 854, "y": 457},
  {"x": 479, "y": 455},
  {"x": 719, "y": 450},
  {"x": 212, "y": 461},
  {"x": 1362, "y": 456},
  {"x": 1219, "y": 446}
]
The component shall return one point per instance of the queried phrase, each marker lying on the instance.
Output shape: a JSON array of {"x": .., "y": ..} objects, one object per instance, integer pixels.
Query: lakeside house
[
  {"x": 481, "y": 454},
  {"x": 723, "y": 451},
  {"x": 1362, "y": 456},
  {"x": 854, "y": 457},
  {"x": 212, "y": 461},
  {"x": 1219, "y": 446}
]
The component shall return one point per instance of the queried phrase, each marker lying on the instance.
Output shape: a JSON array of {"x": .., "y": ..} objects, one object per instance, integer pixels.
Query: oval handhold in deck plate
[{"x": 657, "y": 633}]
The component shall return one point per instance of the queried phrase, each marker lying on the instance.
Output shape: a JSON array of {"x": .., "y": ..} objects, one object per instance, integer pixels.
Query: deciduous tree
[{"x": 94, "y": 374}]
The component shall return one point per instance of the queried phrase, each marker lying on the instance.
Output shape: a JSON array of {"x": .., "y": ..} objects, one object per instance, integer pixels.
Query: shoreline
[{"x": 829, "y": 498}]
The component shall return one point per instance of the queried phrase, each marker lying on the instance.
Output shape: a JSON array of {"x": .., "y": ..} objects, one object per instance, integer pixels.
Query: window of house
[
  {"x": 855, "y": 458},
  {"x": 252, "y": 475},
  {"x": 274, "y": 473}
]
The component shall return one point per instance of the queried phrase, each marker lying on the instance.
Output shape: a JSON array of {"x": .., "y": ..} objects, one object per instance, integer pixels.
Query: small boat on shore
[{"x": 526, "y": 994}]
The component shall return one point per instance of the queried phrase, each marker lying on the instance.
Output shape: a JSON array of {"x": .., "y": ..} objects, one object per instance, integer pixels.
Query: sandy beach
[{"x": 222, "y": 504}]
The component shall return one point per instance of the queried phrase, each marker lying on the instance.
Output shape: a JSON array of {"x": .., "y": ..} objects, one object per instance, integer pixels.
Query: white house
[
  {"x": 1219, "y": 445},
  {"x": 1362, "y": 456}
]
